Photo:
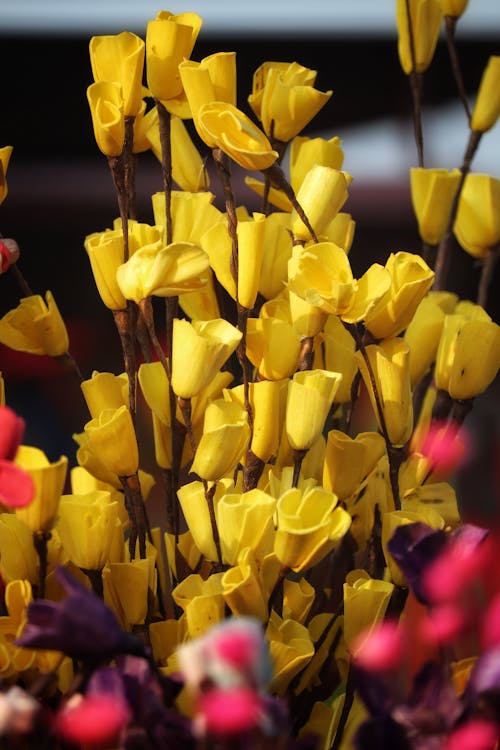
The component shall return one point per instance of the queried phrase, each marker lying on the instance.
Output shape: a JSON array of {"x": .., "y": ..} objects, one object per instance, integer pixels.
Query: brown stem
[
  {"x": 68, "y": 362},
  {"x": 243, "y": 314},
  {"x": 129, "y": 166},
  {"x": 252, "y": 471},
  {"x": 209, "y": 495},
  {"x": 146, "y": 311},
  {"x": 21, "y": 281},
  {"x": 165, "y": 120},
  {"x": 487, "y": 270},
  {"x": 185, "y": 407},
  {"x": 306, "y": 353},
  {"x": 396, "y": 457},
  {"x": 124, "y": 321},
  {"x": 40, "y": 541},
  {"x": 416, "y": 81},
  {"x": 278, "y": 180},
  {"x": 275, "y": 600},
  {"x": 139, "y": 524},
  {"x": 443, "y": 258},
  {"x": 95, "y": 578},
  {"x": 117, "y": 167},
  {"x": 298, "y": 457},
  {"x": 450, "y": 23},
  {"x": 223, "y": 163}
]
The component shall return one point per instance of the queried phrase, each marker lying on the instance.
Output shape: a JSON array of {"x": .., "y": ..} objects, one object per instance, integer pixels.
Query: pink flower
[
  {"x": 445, "y": 446},
  {"x": 443, "y": 624},
  {"x": 16, "y": 485},
  {"x": 476, "y": 734},
  {"x": 382, "y": 649},
  {"x": 92, "y": 720},
  {"x": 224, "y": 712}
]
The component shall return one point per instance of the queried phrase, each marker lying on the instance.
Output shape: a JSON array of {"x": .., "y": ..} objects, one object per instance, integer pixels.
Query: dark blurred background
[{"x": 60, "y": 188}]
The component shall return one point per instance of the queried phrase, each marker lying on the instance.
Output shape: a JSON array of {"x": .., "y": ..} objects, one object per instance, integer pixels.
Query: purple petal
[{"x": 414, "y": 546}]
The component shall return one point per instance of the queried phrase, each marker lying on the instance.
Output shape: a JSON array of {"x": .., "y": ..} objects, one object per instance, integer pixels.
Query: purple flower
[
  {"x": 80, "y": 626},
  {"x": 413, "y": 546}
]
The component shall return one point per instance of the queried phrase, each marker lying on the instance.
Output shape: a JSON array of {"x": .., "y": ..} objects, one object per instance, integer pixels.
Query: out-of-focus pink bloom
[
  {"x": 446, "y": 446},
  {"x": 476, "y": 734},
  {"x": 92, "y": 720},
  {"x": 18, "y": 711},
  {"x": 16, "y": 485},
  {"x": 381, "y": 650},
  {"x": 490, "y": 629},
  {"x": 443, "y": 624},
  {"x": 223, "y": 712}
]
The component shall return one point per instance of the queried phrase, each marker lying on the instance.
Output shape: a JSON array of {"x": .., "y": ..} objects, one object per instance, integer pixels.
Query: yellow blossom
[
  {"x": 200, "y": 349},
  {"x": 477, "y": 225},
  {"x": 365, "y": 603},
  {"x": 340, "y": 231},
  {"x": 425, "y": 20},
  {"x": 433, "y": 192},
  {"x": 86, "y": 524},
  {"x": 193, "y": 214},
  {"x": 411, "y": 280},
  {"x": 310, "y": 397},
  {"x": 389, "y": 364},
  {"x": 188, "y": 168},
  {"x": 306, "y": 152},
  {"x": 202, "y": 601},
  {"x": 224, "y": 440},
  {"x": 453, "y": 8},
  {"x": 348, "y": 461},
  {"x": 169, "y": 40},
  {"x": 106, "y": 107},
  {"x": 291, "y": 648},
  {"x": 309, "y": 527},
  {"x": 127, "y": 587},
  {"x": 35, "y": 327},
  {"x": 195, "y": 509},
  {"x": 246, "y": 520},
  {"x": 277, "y": 251},
  {"x": 18, "y": 558},
  {"x": 111, "y": 438},
  {"x": 5, "y": 154},
  {"x": 242, "y": 589},
  {"x": 438, "y": 496},
  {"x": 211, "y": 80},
  {"x": 487, "y": 107},
  {"x": 48, "y": 479},
  {"x": 339, "y": 347},
  {"x": 120, "y": 58},
  {"x": 265, "y": 399},
  {"x": 298, "y": 598},
  {"x": 322, "y": 194},
  {"x": 284, "y": 98},
  {"x": 424, "y": 332},
  {"x": 104, "y": 390}
]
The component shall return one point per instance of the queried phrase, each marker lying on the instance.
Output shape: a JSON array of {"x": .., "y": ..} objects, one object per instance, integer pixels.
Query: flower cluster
[{"x": 312, "y": 580}]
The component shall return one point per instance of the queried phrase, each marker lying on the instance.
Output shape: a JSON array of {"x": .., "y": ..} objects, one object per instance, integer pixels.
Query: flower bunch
[{"x": 305, "y": 423}]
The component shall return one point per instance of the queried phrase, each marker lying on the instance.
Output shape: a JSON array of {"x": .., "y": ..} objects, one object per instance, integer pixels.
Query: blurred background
[{"x": 60, "y": 188}]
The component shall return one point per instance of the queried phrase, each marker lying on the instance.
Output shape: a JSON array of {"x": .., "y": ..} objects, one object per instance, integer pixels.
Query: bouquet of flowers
[{"x": 312, "y": 582}]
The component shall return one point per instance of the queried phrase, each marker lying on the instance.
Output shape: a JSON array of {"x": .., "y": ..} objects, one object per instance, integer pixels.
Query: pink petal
[
  {"x": 380, "y": 650},
  {"x": 476, "y": 734},
  {"x": 238, "y": 648},
  {"x": 446, "y": 446},
  {"x": 93, "y": 720},
  {"x": 443, "y": 624},
  {"x": 230, "y": 711},
  {"x": 11, "y": 432},
  {"x": 16, "y": 485}
]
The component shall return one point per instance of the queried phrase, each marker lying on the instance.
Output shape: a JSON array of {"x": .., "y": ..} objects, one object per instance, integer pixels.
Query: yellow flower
[
  {"x": 202, "y": 601},
  {"x": 309, "y": 527},
  {"x": 222, "y": 125},
  {"x": 307, "y": 319},
  {"x": 291, "y": 648},
  {"x": 188, "y": 168},
  {"x": 468, "y": 355},
  {"x": 105, "y": 391},
  {"x": 195, "y": 509},
  {"x": 242, "y": 589},
  {"x": 365, "y": 603},
  {"x": 48, "y": 479},
  {"x": 211, "y": 80},
  {"x": 105, "y": 99},
  {"x": 169, "y": 40},
  {"x": 487, "y": 107},
  {"x": 349, "y": 461},
  {"x": 411, "y": 280},
  {"x": 193, "y": 214},
  {"x": 84, "y": 483},
  {"x": 86, "y": 524},
  {"x": 273, "y": 346},
  {"x": 128, "y": 586},
  {"x": 199, "y": 350},
  {"x": 284, "y": 98},
  {"x": 277, "y": 252},
  {"x": 18, "y": 559},
  {"x": 111, "y": 437},
  {"x": 477, "y": 226},
  {"x": 163, "y": 271},
  {"x": 339, "y": 347},
  {"x": 322, "y": 194},
  {"x": 433, "y": 192},
  {"x": 120, "y": 58},
  {"x": 389, "y": 363},
  {"x": 453, "y": 8},
  {"x": 35, "y": 327},
  {"x": 224, "y": 440},
  {"x": 340, "y": 231},
  {"x": 298, "y": 598},
  {"x": 246, "y": 520},
  {"x": 438, "y": 496},
  {"x": 265, "y": 399},
  {"x": 310, "y": 397},
  {"x": 5, "y": 154},
  {"x": 424, "y": 332},
  {"x": 306, "y": 152},
  {"x": 425, "y": 18}
]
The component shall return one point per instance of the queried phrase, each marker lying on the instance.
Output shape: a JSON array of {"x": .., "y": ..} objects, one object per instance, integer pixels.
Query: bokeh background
[{"x": 60, "y": 188}]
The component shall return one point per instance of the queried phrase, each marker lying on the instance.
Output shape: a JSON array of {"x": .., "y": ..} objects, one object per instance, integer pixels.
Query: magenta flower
[
  {"x": 16, "y": 485},
  {"x": 226, "y": 712},
  {"x": 93, "y": 719},
  {"x": 446, "y": 446}
]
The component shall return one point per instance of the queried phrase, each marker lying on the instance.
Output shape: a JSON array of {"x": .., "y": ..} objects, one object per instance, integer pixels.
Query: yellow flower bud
[
  {"x": 426, "y": 16},
  {"x": 105, "y": 391},
  {"x": 477, "y": 225},
  {"x": 211, "y": 80},
  {"x": 424, "y": 332},
  {"x": 349, "y": 461},
  {"x": 438, "y": 496},
  {"x": 487, "y": 107},
  {"x": 105, "y": 99},
  {"x": 309, "y": 527},
  {"x": 195, "y": 509},
  {"x": 273, "y": 346},
  {"x": 192, "y": 214},
  {"x": 365, "y": 603},
  {"x": 86, "y": 524},
  {"x": 169, "y": 40},
  {"x": 128, "y": 584},
  {"x": 35, "y": 327},
  {"x": 411, "y": 280},
  {"x": 199, "y": 350},
  {"x": 202, "y": 601},
  {"x": 18, "y": 559},
  {"x": 246, "y": 520},
  {"x": 389, "y": 363},
  {"x": 339, "y": 347},
  {"x": 322, "y": 194},
  {"x": 468, "y": 356},
  {"x": 453, "y": 8},
  {"x": 48, "y": 479},
  {"x": 120, "y": 58},
  {"x": 265, "y": 399},
  {"x": 163, "y": 271},
  {"x": 242, "y": 589},
  {"x": 340, "y": 231},
  {"x": 306, "y": 152},
  {"x": 284, "y": 98},
  {"x": 111, "y": 437},
  {"x": 224, "y": 440},
  {"x": 5, "y": 154},
  {"x": 277, "y": 252},
  {"x": 307, "y": 319},
  {"x": 310, "y": 397},
  {"x": 188, "y": 168},
  {"x": 290, "y": 647},
  {"x": 298, "y": 598},
  {"x": 433, "y": 192},
  {"x": 221, "y": 125},
  {"x": 321, "y": 274}
]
